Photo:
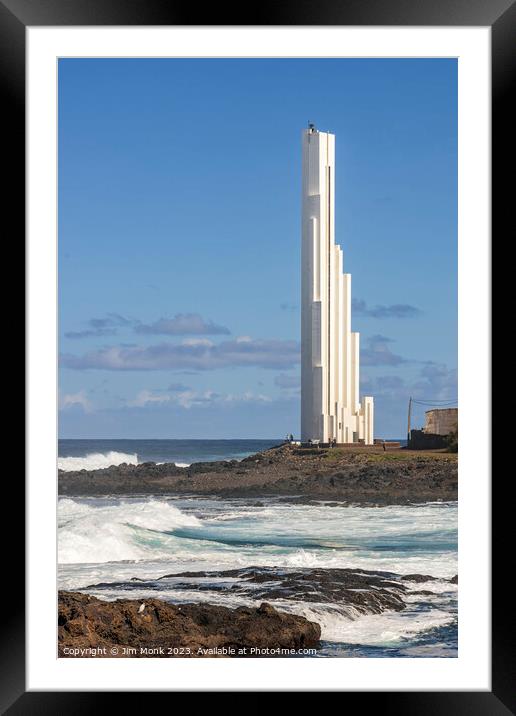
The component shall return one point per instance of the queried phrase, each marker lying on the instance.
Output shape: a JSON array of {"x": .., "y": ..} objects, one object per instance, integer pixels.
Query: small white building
[{"x": 330, "y": 351}]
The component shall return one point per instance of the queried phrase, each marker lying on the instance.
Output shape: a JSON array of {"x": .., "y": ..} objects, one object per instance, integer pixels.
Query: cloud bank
[
  {"x": 435, "y": 381},
  {"x": 194, "y": 398},
  {"x": 107, "y": 326},
  {"x": 377, "y": 352},
  {"x": 202, "y": 355},
  {"x": 397, "y": 310},
  {"x": 182, "y": 324}
]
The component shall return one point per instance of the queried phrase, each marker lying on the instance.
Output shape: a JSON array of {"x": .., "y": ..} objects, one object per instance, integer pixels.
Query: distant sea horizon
[{"x": 84, "y": 454}]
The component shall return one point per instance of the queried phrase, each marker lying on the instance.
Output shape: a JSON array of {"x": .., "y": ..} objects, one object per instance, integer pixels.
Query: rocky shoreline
[
  {"x": 266, "y": 623},
  {"x": 353, "y": 591},
  {"x": 353, "y": 475},
  {"x": 90, "y": 627}
]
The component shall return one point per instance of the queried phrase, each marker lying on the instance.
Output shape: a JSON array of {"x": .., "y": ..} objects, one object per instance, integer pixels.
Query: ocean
[
  {"x": 128, "y": 547},
  {"x": 94, "y": 454}
]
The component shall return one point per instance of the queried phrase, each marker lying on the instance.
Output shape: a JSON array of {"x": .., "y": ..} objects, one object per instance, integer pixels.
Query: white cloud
[
  {"x": 145, "y": 397},
  {"x": 197, "y": 342},
  {"x": 182, "y": 324},
  {"x": 72, "y": 400},
  {"x": 194, "y": 398}
]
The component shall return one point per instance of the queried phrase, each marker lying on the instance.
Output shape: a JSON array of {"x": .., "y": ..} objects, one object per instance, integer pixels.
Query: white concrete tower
[{"x": 330, "y": 352}]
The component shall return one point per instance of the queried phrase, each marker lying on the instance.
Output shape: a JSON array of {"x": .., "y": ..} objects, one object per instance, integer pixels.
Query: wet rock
[
  {"x": 351, "y": 591},
  {"x": 121, "y": 628}
]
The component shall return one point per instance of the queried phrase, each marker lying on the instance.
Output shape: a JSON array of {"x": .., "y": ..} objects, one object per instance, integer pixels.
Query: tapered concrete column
[{"x": 355, "y": 372}]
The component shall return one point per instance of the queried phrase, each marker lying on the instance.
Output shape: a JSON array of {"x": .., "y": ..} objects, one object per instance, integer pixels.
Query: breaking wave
[
  {"x": 125, "y": 531},
  {"x": 120, "y": 542},
  {"x": 155, "y": 529},
  {"x": 96, "y": 461}
]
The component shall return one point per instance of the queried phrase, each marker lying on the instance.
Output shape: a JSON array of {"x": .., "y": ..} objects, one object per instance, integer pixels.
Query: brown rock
[
  {"x": 91, "y": 627},
  {"x": 354, "y": 475}
]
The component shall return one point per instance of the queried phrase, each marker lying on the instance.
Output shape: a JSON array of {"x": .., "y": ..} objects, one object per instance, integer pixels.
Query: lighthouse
[{"x": 331, "y": 407}]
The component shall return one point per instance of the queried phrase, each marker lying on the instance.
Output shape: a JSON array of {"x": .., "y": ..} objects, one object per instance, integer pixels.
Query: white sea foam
[
  {"x": 387, "y": 629},
  {"x": 96, "y": 461},
  {"x": 438, "y": 588},
  {"x": 307, "y": 536},
  {"x": 338, "y": 625},
  {"x": 127, "y": 530},
  {"x": 110, "y": 540}
]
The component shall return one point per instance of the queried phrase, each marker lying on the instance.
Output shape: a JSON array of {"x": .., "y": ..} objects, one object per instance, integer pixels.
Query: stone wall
[{"x": 441, "y": 421}]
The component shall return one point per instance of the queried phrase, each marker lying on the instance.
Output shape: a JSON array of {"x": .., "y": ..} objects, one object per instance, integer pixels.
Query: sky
[{"x": 179, "y": 239}]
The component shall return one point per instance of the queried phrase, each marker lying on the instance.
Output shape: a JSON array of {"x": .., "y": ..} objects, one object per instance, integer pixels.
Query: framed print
[{"x": 258, "y": 293}]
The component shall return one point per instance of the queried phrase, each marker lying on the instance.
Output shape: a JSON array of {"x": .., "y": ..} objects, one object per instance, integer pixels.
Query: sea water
[
  {"x": 106, "y": 545},
  {"x": 95, "y": 454}
]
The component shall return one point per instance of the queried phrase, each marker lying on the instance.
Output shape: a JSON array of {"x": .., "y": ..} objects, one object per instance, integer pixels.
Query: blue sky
[{"x": 179, "y": 238}]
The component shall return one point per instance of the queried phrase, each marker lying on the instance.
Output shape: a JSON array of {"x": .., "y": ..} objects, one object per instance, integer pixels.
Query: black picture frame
[{"x": 15, "y": 16}]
